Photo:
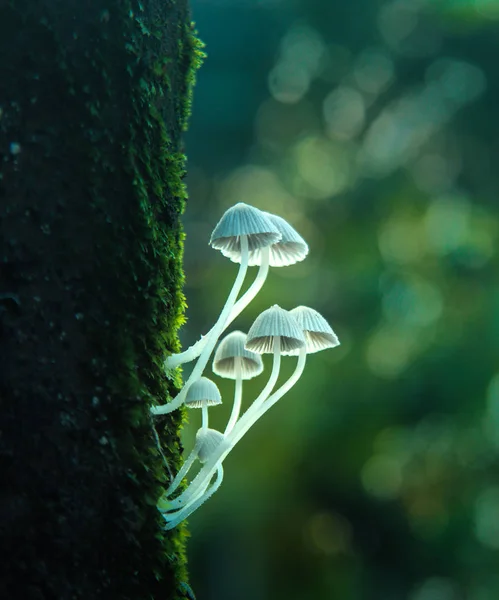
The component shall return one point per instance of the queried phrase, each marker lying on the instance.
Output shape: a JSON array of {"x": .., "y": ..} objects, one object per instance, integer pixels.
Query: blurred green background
[{"x": 372, "y": 127}]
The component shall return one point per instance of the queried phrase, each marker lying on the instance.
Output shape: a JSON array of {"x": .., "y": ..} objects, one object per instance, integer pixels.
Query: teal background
[{"x": 373, "y": 128}]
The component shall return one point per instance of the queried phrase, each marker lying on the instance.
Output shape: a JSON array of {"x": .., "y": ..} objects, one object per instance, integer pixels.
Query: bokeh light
[{"x": 372, "y": 128}]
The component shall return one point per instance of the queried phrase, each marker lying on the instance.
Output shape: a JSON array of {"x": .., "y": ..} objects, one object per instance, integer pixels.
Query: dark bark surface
[{"x": 93, "y": 100}]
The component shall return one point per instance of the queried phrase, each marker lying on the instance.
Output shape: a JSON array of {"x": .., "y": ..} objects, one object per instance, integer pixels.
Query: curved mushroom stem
[
  {"x": 276, "y": 365},
  {"x": 189, "y": 461},
  {"x": 175, "y": 504},
  {"x": 213, "y": 336},
  {"x": 238, "y": 393},
  {"x": 203, "y": 476},
  {"x": 269, "y": 402},
  {"x": 207, "y": 470},
  {"x": 195, "y": 350},
  {"x": 191, "y": 353},
  {"x": 254, "y": 288},
  {"x": 173, "y": 519}
]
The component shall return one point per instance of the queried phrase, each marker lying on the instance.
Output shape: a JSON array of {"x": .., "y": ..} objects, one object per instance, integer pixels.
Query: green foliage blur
[{"x": 373, "y": 127}]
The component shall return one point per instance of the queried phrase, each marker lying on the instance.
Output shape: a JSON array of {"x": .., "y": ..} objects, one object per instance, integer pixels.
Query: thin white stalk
[
  {"x": 184, "y": 469},
  {"x": 191, "y": 353},
  {"x": 254, "y": 288},
  {"x": 215, "y": 333},
  {"x": 175, "y": 505},
  {"x": 204, "y": 409},
  {"x": 175, "y": 518},
  {"x": 238, "y": 394},
  {"x": 243, "y": 426},
  {"x": 195, "y": 350},
  {"x": 207, "y": 470},
  {"x": 204, "y": 475},
  {"x": 276, "y": 365}
]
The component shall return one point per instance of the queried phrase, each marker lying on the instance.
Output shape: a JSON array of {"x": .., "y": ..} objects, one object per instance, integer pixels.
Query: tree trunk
[{"x": 93, "y": 99}]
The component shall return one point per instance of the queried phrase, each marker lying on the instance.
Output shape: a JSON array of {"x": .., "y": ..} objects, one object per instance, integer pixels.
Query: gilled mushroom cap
[
  {"x": 290, "y": 249},
  {"x": 318, "y": 333},
  {"x": 209, "y": 440},
  {"x": 243, "y": 219},
  {"x": 273, "y": 322},
  {"x": 230, "y": 350},
  {"x": 203, "y": 391}
]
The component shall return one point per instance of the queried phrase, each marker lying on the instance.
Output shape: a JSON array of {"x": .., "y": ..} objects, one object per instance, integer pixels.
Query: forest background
[{"x": 372, "y": 127}]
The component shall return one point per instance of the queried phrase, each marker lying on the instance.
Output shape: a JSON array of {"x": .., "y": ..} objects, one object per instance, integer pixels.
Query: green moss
[
  {"x": 191, "y": 51},
  {"x": 157, "y": 169}
]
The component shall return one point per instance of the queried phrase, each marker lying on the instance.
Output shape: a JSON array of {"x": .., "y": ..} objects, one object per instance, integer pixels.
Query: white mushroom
[
  {"x": 207, "y": 441},
  {"x": 233, "y": 361},
  {"x": 318, "y": 333},
  {"x": 318, "y": 336},
  {"x": 202, "y": 394},
  {"x": 288, "y": 250},
  {"x": 242, "y": 229},
  {"x": 273, "y": 330}
]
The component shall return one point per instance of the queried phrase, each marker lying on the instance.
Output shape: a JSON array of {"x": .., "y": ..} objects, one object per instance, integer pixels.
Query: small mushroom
[
  {"x": 273, "y": 330},
  {"x": 233, "y": 361},
  {"x": 202, "y": 394},
  {"x": 288, "y": 250},
  {"x": 318, "y": 336},
  {"x": 241, "y": 229},
  {"x": 207, "y": 441},
  {"x": 318, "y": 333}
]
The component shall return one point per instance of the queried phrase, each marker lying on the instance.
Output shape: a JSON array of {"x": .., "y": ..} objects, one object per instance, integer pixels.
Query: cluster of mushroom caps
[{"x": 250, "y": 237}]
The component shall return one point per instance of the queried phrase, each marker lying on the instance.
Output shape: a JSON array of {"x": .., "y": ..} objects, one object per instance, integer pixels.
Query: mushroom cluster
[{"x": 250, "y": 237}]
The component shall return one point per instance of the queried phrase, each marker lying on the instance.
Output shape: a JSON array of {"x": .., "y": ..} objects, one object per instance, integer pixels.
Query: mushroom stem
[
  {"x": 238, "y": 393},
  {"x": 174, "y": 505},
  {"x": 254, "y": 288},
  {"x": 195, "y": 350},
  {"x": 173, "y": 519},
  {"x": 206, "y": 472},
  {"x": 276, "y": 365},
  {"x": 213, "y": 336},
  {"x": 188, "y": 355},
  {"x": 269, "y": 402},
  {"x": 204, "y": 475},
  {"x": 204, "y": 409},
  {"x": 184, "y": 469}
]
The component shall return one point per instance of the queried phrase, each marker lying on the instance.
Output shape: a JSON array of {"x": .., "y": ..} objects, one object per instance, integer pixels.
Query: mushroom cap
[
  {"x": 243, "y": 219},
  {"x": 290, "y": 249},
  {"x": 273, "y": 322},
  {"x": 230, "y": 350},
  {"x": 318, "y": 333},
  {"x": 209, "y": 440},
  {"x": 203, "y": 391}
]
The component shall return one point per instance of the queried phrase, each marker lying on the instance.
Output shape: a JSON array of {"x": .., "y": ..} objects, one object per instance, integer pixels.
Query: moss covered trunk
[{"x": 93, "y": 100}]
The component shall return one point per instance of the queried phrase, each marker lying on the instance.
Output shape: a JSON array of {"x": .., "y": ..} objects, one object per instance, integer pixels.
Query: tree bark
[{"x": 93, "y": 99}]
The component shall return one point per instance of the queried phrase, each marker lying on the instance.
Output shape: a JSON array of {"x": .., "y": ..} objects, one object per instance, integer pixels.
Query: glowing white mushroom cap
[
  {"x": 203, "y": 392},
  {"x": 209, "y": 440},
  {"x": 290, "y": 249},
  {"x": 318, "y": 333},
  {"x": 273, "y": 322},
  {"x": 243, "y": 219},
  {"x": 230, "y": 350}
]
